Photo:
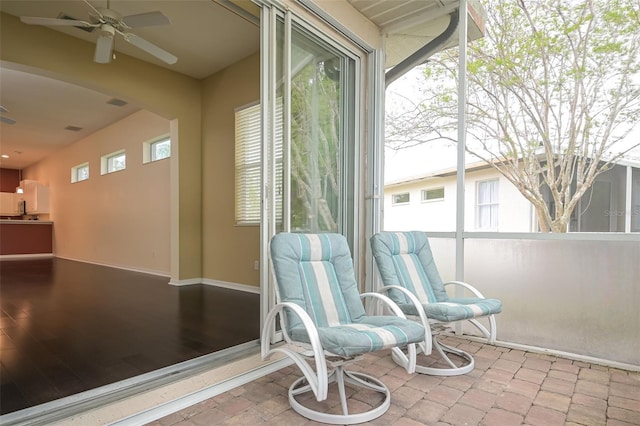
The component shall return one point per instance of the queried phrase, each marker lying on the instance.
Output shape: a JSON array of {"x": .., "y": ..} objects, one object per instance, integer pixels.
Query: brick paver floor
[{"x": 507, "y": 387}]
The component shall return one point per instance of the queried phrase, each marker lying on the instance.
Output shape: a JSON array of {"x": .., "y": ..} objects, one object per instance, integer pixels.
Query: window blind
[{"x": 248, "y": 164}]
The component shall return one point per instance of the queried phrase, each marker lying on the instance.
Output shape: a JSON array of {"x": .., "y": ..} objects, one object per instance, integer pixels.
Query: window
[
  {"x": 487, "y": 204},
  {"x": 113, "y": 162},
  {"x": 80, "y": 173},
  {"x": 401, "y": 198},
  {"x": 249, "y": 163},
  {"x": 156, "y": 150},
  {"x": 435, "y": 194}
]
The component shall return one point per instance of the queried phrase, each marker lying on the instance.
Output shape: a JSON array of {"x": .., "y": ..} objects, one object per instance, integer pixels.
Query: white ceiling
[{"x": 205, "y": 35}]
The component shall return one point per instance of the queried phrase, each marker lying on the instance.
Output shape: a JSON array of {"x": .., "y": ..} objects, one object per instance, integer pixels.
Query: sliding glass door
[
  {"x": 311, "y": 109},
  {"x": 310, "y": 105}
]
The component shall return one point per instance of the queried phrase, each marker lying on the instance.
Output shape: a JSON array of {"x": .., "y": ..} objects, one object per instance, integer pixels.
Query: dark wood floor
[{"x": 67, "y": 327}]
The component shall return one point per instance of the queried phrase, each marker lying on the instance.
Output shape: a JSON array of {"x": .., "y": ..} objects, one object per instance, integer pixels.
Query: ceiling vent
[
  {"x": 117, "y": 102},
  {"x": 73, "y": 128}
]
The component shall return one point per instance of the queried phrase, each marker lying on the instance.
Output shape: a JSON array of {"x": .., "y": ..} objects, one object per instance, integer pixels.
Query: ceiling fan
[{"x": 109, "y": 22}]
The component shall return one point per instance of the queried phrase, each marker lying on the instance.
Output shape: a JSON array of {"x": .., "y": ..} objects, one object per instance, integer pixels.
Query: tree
[
  {"x": 553, "y": 91},
  {"x": 315, "y": 146}
]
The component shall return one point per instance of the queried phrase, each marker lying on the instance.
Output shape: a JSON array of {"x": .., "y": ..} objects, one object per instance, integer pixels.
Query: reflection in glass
[{"x": 317, "y": 131}]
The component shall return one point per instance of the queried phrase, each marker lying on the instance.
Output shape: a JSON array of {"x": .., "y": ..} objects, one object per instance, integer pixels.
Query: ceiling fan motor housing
[{"x": 112, "y": 18}]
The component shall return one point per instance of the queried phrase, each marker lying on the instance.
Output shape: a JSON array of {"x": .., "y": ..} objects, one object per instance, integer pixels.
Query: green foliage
[
  {"x": 551, "y": 81},
  {"x": 315, "y": 148}
]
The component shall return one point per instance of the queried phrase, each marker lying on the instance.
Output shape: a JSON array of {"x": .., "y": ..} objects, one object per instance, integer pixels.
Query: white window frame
[
  {"x": 424, "y": 195},
  {"x": 400, "y": 203},
  {"x": 106, "y": 162},
  {"x": 148, "y": 149},
  {"x": 494, "y": 217},
  {"x": 75, "y": 172}
]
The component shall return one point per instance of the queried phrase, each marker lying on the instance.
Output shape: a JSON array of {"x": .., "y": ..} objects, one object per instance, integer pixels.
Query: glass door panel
[
  {"x": 310, "y": 187},
  {"x": 317, "y": 135}
]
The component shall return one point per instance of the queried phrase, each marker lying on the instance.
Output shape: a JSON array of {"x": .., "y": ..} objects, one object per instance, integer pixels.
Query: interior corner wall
[
  {"x": 172, "y": 95},
  {"x": 118, "y": 219},
  {"x": 229, "y": 251}
]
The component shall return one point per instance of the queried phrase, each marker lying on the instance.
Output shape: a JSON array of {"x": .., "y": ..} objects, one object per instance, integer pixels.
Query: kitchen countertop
[{"x": 25, "y": 222}]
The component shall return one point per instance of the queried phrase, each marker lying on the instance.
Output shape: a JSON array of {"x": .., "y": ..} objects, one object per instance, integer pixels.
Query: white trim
[
  {"x": 26, "y": 256},
  {"x": 126, "y": 268},
  {"x": 336, "y": 25},
  {"x": 216, "y": 283},
  {"x": 568, "y": 236},
  {"x": 232, "y": 286},
  {"x": 190, "y": 281},
  {"x": 165, "y": 409}
]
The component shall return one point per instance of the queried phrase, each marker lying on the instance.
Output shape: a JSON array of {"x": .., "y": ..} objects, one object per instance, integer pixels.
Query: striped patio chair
[
  {"x": 323, "y": 319},
  {"x": 411, "y": 279}
]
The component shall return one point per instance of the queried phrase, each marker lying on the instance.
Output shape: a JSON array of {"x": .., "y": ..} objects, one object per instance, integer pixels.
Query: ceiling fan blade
[
  {"x": 149, "y": 19},
  {"x": 150, "y": 48},
  {"x": 104, "y": 49},
  {"x": 54, "y": 22},
  {"x": 7, "y": 120}
]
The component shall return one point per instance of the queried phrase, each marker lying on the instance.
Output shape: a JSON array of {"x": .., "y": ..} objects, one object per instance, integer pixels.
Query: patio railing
[{"x": 575, "y": 293}]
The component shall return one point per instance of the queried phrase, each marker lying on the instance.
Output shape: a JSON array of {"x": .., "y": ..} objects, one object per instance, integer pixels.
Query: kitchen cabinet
[
  {"x": 8, "y": 204},
  {"x": 36, "y": 197},
  {"x": 26, "y": 238}
]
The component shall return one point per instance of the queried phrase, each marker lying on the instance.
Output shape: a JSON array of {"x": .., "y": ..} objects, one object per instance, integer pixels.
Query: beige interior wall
[
  {"x": 118, "y": 219},
  {"x": 172, "y": 95},
  {"x": 229, "y": 251}
]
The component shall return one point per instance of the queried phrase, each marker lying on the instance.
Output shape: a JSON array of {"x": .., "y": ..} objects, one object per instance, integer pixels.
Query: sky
[{"x": 411, "y": 162}]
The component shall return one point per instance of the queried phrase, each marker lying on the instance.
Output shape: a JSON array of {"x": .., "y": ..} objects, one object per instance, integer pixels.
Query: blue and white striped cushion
[
  {"x": 372, "y": 334},
  {"x": 458, "y": 309},
  {"x": 405, "y": 259},
  {"x": 413, "y": 278},
  {"x": 316, "y": 272}
]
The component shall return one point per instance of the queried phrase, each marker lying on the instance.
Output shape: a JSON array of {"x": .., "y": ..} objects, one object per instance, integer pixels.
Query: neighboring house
[{"x": 428, "y": 202}]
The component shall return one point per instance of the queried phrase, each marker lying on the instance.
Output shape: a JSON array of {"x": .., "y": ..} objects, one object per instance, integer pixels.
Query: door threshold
[{"x": 152, "y": 395}]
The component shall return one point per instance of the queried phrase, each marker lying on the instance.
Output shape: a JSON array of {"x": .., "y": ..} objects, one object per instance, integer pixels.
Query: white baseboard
[
  {"x": 26, "y": 256},
  {"x": 232, "y": 286},
  {"x": 190, "y": 281},
  {"x": 216, "y": 283}
]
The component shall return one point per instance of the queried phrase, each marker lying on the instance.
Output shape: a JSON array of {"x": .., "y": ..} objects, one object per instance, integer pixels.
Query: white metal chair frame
[
  {"x": 409, "y": 274},
  {"x": 318, "y": 381},
  {"x": 434, "y": 327}
]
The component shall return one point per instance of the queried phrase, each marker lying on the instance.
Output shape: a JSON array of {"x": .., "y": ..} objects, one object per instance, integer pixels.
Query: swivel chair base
[
  {"x": 442, "y": 349},
  {"x": 340, "y": 375}
]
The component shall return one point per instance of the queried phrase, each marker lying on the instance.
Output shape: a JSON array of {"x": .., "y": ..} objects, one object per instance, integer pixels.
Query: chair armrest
[
  {"x": 410, "y": 359},
  {"x": 390, "y": 303},
  {"x": 414, "y": 300},
  {"x": 469, "y": 287},
  {"x": 307, "y": 322},
  {"x": 318, "y": 380},
  {"x": 421, "y": 313}
]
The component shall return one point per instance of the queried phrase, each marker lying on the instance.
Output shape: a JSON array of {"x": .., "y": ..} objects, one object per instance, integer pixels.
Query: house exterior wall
[
  {"x": 514, "y": 210},
  {"x": 516, "y": 214}
]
